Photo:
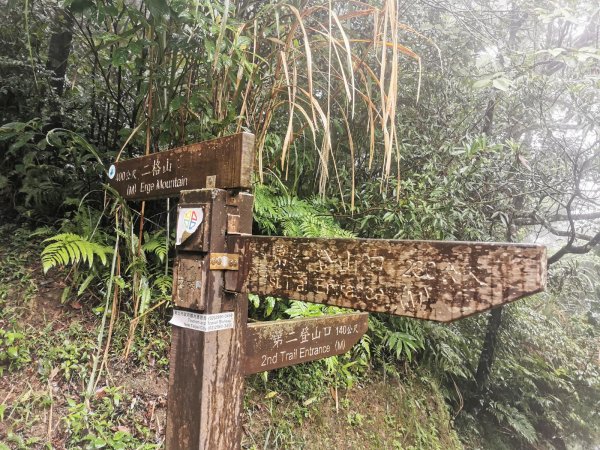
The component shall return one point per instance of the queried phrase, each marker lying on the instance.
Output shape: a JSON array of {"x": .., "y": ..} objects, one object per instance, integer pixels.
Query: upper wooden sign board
[
  {"x": 433, "y": 280},
  {"x": 224, "y": 163}
]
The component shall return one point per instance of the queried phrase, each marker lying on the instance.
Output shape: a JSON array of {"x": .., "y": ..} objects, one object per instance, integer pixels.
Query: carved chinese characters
[
  {"x": 432, "y": 280},
  {"x": 270, "y": 345},
  {"x": 221, "y": 163}
]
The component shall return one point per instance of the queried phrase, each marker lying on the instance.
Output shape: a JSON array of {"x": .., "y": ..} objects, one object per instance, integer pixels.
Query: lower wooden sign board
[{"x": 271, "y": 345}]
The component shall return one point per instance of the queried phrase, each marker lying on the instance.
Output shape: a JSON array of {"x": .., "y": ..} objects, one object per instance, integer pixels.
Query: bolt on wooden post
[{"x": 218, "y": 262}]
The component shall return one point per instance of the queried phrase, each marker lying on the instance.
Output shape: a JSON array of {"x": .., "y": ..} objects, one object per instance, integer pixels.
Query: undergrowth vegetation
[
  {"x": 371, "y": 120},
  {"x": 54, "y": 350}
]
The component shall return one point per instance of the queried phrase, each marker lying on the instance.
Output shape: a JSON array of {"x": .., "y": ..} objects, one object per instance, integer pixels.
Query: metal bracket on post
[{"x": 224, "y": 261}]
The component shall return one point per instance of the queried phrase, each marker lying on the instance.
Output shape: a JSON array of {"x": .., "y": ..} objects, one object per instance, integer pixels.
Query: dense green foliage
[{"x": 372, "y": 120}]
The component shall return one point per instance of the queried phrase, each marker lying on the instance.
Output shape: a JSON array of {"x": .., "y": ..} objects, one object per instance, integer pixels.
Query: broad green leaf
[
  {"x": 502, "y": 84},
  {"x": 120, "y": 56},
  {"x": 79, "y": 6},
  {"x": 85, "y": 284},
  {"x": 158, "y": 8},
  {"x": 480, "y": 84}
]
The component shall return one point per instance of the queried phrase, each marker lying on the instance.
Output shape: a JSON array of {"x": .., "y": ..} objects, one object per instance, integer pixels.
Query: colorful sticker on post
[{"x": 188, "y": 221}]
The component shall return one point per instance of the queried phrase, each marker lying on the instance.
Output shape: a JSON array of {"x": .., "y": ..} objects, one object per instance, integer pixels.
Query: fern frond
[
  {"x": 71, "y": 248},
  {"x": 515, "y": 419},
  {"x": 164, "y": 284},
  {"x": 156, "y": 244}
]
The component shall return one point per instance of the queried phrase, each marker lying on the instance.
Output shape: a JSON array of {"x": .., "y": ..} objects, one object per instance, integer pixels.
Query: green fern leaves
[
  {"x": 70, "y": 248},
  {"x": 157, "y": 244},
  {"x": 276, "y": 211}
]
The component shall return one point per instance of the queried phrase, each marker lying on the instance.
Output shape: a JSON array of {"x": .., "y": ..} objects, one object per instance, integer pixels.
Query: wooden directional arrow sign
[
  {"x": 271, "y": 345},
  {"x": 433, "y": 280},
  {"x": 224, "y": 163}
]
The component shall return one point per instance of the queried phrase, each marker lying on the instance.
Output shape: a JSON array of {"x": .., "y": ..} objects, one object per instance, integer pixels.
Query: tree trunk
[
  {"x": 488, "y": 352},
  {"x": 59, "y": 49},
  {"x": 488, "y": 118}
]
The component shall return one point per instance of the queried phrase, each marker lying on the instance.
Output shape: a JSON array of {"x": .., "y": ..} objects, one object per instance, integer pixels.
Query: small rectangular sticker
[{"x": 202, "y": 322}]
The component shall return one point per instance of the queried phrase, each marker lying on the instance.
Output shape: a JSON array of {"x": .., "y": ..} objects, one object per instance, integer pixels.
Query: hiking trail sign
[{"x": 219, "y": 262}]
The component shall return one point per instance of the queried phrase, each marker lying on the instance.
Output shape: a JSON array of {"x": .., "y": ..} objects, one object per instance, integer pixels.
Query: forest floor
[{"x": 46, "y": 354}]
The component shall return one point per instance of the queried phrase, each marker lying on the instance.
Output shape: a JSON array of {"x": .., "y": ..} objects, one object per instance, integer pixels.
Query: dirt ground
[{"x": 38, "y": 396}]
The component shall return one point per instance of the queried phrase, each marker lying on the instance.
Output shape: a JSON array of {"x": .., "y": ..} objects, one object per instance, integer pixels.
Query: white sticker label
[
  {"x": 211, "y": 181},
  {"x": 188, "y": 221},
  {"x": 202, "y": 322}
]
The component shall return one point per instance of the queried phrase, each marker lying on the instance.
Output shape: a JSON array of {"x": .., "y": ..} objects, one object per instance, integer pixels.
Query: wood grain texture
[
  {"x": 224, "y": 163},
  {"x": 206, "y": 383},
  {"x": 271, "y": 345},
  {"x": 189, "y": 287},
  {"x": 433, "y": 280}
]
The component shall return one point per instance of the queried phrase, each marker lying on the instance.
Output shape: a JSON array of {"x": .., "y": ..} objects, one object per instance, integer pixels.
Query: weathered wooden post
[
  {"x": 206, "y": 379},
  {"x": 218, "y": 262}
]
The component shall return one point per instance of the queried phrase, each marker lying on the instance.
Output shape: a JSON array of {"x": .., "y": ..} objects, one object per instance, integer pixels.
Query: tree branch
[
  {"x": 575, "y": 249},
  {"x": 533, "y": 219}
]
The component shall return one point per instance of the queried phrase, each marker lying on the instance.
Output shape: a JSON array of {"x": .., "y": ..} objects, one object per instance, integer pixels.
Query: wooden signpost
[{"x": 218, "y": 262}]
